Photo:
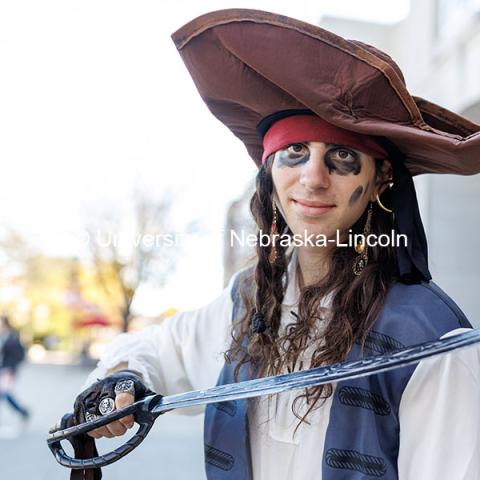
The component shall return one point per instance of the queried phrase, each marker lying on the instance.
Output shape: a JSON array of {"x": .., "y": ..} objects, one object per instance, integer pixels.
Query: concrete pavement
[{"x": 172, "y": 451}]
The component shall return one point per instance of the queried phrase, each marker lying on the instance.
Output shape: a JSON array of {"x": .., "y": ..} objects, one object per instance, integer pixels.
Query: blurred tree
[
  {"x": 239, "y": 221},
  {"x": 133, "y": 250},
  {"x": 54, "y": 297},
  {"x": 32, "y": 287}
]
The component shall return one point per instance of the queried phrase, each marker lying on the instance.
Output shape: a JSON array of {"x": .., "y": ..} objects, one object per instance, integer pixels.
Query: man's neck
[{"x": 312, "y": 264}]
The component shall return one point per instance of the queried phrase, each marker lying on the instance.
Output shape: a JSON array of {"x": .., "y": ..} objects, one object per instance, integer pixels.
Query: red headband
[{"x": 311, "y": 128}]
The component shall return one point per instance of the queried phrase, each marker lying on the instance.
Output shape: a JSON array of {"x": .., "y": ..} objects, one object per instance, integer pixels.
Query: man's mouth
[{"x": 311, "y": 208}]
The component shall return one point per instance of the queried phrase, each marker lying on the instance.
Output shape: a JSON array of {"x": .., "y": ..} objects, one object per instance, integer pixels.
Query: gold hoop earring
[
  {"x": 361, "y": 248},
  {"x": 273, "y": 234},
  {"x": 382, "y": 206}
]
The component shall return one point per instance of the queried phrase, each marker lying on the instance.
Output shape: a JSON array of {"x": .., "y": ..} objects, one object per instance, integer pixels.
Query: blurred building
[{"x": 437, "y": 46}]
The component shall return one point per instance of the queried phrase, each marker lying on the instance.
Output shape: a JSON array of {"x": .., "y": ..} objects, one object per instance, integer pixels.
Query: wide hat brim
[{"x": 249, "y": 64}]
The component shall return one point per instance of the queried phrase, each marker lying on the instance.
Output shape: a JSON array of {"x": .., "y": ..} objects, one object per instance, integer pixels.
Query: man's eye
[
  {"x": 343, "y": 154},
  {"x": 296, "y": 148}
]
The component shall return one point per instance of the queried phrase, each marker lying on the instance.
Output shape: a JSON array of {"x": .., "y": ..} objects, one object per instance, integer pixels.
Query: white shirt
[{"x": 439, "y": 411}]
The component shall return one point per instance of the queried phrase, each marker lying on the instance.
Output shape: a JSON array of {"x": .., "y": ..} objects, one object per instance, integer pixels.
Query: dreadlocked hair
[{"x": 355, "y": 301}]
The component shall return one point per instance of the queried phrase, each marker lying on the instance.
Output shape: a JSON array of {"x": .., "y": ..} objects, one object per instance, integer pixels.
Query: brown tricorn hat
[{"x": 249, "y": 64}]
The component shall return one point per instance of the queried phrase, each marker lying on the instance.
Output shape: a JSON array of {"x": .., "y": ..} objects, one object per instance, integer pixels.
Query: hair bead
[{"x": 258, "y": 324}]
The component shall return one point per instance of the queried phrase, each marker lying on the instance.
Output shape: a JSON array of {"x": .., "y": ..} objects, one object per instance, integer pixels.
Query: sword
[{"x": 147, "y": 410}]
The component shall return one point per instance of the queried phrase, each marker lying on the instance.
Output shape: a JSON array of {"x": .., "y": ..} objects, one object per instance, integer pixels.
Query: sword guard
[{"x": 143, "y": 416}]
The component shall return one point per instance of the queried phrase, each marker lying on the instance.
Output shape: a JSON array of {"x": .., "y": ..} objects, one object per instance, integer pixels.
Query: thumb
[{"x": 122, "y": 400}]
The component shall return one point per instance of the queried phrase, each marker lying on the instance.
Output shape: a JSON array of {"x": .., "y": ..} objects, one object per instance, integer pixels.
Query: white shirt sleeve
[
  {"x": 184, "y": 352},
  {"x": 440, "y": 418}
]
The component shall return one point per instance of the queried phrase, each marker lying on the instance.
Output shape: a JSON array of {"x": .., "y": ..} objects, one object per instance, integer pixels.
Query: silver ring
[
  {"x": 125, "y": 386},
  {"x": 106, "y": 406},
  {"x": 90, "y": 417}
]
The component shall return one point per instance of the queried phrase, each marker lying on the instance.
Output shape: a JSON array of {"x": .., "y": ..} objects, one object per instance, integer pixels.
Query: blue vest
[{"x": 362, "y": 438}]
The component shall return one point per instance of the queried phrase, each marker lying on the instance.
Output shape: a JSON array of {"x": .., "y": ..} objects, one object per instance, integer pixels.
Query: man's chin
[{"x": 327, "y": 236}]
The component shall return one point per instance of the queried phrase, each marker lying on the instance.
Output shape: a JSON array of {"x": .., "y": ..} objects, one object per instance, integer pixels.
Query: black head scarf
[{"x": 412, "y": 258}]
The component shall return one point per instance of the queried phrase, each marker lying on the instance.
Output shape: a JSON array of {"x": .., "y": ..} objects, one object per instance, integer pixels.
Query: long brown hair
[{"x": 356, "y": 300}]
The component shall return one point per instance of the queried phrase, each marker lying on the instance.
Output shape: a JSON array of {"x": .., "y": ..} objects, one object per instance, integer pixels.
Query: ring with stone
[
  {"x": 125, "y": 386},
  {"x": 90, "y": 417},
  {"x": 106, "y": 406}
]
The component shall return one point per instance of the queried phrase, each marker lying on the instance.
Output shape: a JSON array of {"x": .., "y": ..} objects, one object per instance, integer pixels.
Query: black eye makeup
[
  {"x": 293, "y": 155},
  {"x": 338, "y": 158},
  {"x": 343, "y": 160}
]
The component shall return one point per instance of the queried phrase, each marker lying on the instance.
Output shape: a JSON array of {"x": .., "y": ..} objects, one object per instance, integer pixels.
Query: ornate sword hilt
[{"x": 142, "y": 411}]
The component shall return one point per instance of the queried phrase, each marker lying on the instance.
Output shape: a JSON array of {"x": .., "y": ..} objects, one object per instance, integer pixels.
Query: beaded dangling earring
[
  {"x": 273, "y": 235},
  {"x": 361, "y": 248}
]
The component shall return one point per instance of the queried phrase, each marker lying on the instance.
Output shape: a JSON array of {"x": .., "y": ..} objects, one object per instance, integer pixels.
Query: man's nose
[{"x": 315, "y": 173}]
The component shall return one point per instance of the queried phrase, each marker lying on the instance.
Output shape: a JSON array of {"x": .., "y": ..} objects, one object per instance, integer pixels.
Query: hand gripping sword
[{"x": 147, "y": 410}]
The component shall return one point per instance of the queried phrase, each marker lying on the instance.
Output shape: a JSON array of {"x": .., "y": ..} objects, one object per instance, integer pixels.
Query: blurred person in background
[
  {"x": 337, "y": 138},
  {"x": 12, "y": 354}
]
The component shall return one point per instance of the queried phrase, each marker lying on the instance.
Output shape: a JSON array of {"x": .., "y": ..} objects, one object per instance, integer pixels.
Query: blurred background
[{"x": 118, "y": 186}]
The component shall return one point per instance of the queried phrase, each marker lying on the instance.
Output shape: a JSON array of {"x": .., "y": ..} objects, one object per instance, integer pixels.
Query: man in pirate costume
[{"x": 337, "y": 138}]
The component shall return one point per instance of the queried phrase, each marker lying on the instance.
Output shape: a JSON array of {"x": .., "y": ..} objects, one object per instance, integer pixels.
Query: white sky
[{"x": 94, "y": 100}]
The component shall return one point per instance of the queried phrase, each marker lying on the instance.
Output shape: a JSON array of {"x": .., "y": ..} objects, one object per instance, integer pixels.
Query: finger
[
  {"x": 128, "y": 421},
  {"x": 101, "y": 432},
  {"x": 116, "y": 428},
  {"x": 122, "y": 400},
  {"x": 110, "y": 430},
  {"x": 97, "y": 432},
  {"x": 94, "y": 434}
]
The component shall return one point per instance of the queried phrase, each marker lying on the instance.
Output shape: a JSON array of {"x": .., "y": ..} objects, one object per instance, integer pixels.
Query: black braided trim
[
  {"x": 353, "y": 460},
  {"x": 219, "y": 459},
  {"x": 359, "y": 397},
  {"x": 381, "y": 343}
]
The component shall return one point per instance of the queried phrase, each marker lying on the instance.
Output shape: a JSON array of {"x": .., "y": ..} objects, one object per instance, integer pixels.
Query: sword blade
[{"x": 319, "y": 376}]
